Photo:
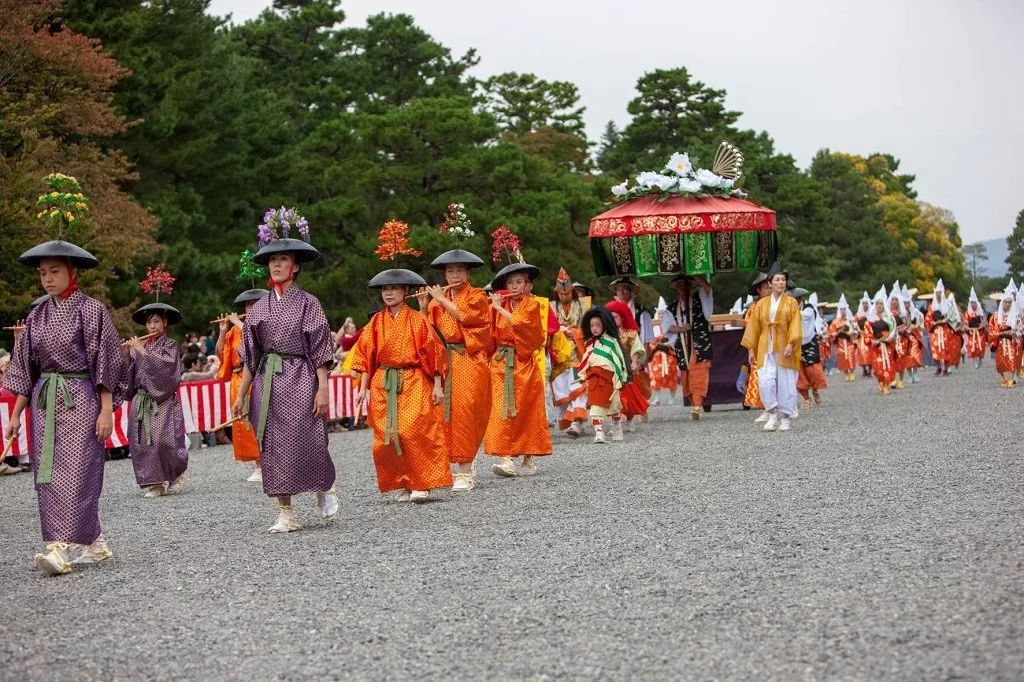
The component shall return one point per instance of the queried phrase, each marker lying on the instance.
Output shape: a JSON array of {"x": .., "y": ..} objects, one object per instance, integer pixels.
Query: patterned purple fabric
[
  {"x": 72, "y": 336},
  {"x": 156, "y": 372},
  {"x": 293, "y": 453}
]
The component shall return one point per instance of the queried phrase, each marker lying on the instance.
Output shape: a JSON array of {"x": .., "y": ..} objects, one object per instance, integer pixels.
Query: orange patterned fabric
[
  {"x": 408, "y": 342},
  {"x": 883, "y": 359},
  {"x": 977, "y": 338},
  {"x": 847, "y": 353},
  {"x": 811, "y": 376},
  {"x": 1007, "y": 350},
  {"x": 945, "y": 343},
  {"x": 470, "y": 376},
  {"x": 752, "y": 398},
  {"x": 243, "y": 437},
  {"x": 527, "y": 432},
  {"x": 664, "y": 370},
  {"x": 600, "y": 387},
  {"x": 914, "y": 357}
]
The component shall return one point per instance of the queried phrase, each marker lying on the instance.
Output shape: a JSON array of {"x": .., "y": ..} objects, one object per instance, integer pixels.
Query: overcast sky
[{"x": 937, "y": 83}]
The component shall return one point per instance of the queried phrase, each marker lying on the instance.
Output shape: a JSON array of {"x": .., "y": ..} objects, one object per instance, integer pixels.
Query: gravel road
[{"x": 881, "y": 538}]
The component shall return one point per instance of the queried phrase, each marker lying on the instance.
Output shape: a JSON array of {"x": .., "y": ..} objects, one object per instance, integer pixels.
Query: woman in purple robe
[
  {"x": 67, "y": 368},
  {"x": 287, "y": 353},
  {"x": 156, "y": 438}
]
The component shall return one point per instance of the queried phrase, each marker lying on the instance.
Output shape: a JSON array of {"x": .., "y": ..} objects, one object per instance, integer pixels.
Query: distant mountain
[{"x": 995, "y": 266}]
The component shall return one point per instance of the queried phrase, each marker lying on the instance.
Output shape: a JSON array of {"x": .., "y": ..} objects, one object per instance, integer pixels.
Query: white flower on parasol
[
  {"x": 688, "y": 185},
  {"x": 651, "y": 180},
  {"x": 707, "y": 178},
  {"x": 679, "y": 164},
  {"x": 621, "y": 189}
]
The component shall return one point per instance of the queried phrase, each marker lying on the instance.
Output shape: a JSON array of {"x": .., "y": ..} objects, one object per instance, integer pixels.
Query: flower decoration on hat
[
  {"x": 158, "y": 281},
  {"x": 456, "y": 223},
  {"x": 505, "y": 244},
  {"x": 63, "y": 205},
  {"x": 278, "y": 223},
  {"x": 249, "y": 270},
  {"x": 393, "y": 241}
]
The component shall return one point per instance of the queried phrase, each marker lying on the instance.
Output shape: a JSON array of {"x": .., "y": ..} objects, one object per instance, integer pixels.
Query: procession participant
[
  {"x": 1002, "y": 335},
  {"x": 772, "y": 339},
  {"x": 900, "y": 345},
  {"x": 624, "y": 289},
  {"x": 939, "y": 331},
  {"x": 568, "y": 392},
  {"x": 634, "y": 403},
  {"x": 956, "y": 322},
  {"x": 286, "y": 349},
  {"x": 863, "y": 349},
  {"x": 811, "y": 378},
  {"x": 759, "y": 288},
  {"x": 604, "y": 369},
  {"x": 688, "y": 327},
  {"x": 664, "y": 370},
  {"x": 844, "y": 332},
  {"x": 67, "y": 366},
  {"x": 976, "y": 332},
  {"x": 229, "y": 346},
  {"x": 518, "y": 422},
  {"x": 584, "y": 293},
  {"x": 402, "y": 362},
  {"x": 881, "y": 334},
  {"x": 461, "y": 313},
  {"x": 156, "y": 437},
  {"x": 913, "y": 358},
  {"x": 824, "y": 340}
]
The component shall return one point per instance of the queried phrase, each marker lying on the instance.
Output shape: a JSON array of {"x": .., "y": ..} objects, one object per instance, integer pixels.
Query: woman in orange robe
[
  {"x": 518, "y": 424},
  {"x": 1002, "y": 337},
  {"x": 401, "y": 363},
  {"x": 229, "y": 343},
  {"x": 976, "y": 333},
  {"x": 880, "y": 335},
  {"x": 844, "y": 331},
  {"x": 461, "y": 314}
]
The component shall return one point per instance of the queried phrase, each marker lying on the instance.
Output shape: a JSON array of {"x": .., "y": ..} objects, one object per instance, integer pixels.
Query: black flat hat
[
  {"x": 587, "y": 291},
  {"x": 761, "y": 278},
  {"x": 799, "y": 292},
  {"x": 628, "y": 281},
  {"x": 76, "y": 255},
  {"x": 141, "y": 315},
  {"x": 777, "y": 269},
  {"x": 304, "y": 251},
  {"x": 249, "y": 295},
  {"x": 457, "y": 257},
  {"x": 398, "y": 277},
  {"x": 531, "y": 271}
]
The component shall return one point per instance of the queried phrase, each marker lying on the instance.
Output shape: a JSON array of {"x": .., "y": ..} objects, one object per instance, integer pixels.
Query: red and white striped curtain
[{"x": 204, "y": 405}]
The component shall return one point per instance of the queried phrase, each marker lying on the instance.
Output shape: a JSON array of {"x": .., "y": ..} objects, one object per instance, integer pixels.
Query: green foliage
[{"x": 1015, "y": 245}]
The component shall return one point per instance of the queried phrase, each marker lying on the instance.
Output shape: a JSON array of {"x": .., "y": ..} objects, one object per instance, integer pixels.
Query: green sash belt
[
  {"x": 508, "y": 355},
  {"x": 271, "y": 364},
  {"x": 392, "y": 386},
  {"x": 53, "y": 382},
  {"x": 459, "y": 348},
  {"x": 144, "y": 412}
]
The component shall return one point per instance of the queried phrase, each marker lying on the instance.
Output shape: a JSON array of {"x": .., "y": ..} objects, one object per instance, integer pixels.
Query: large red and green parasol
[{"x": 682, "y": 232}]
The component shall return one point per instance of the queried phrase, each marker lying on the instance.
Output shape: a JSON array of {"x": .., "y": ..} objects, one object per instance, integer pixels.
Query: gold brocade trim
[
  {"x": 623, "y": 255},
  {"x": 663, "y": 224},
  {"x": 670, "y": 253}
]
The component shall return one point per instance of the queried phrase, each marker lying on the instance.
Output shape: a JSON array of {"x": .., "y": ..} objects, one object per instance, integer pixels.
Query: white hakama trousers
[
  {"x": 569, "y": 396},
  {"x": 777, "y": 385}
]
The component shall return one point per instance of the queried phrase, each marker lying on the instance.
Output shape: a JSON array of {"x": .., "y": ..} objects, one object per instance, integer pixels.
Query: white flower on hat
[{"x": 679, "y": 164}]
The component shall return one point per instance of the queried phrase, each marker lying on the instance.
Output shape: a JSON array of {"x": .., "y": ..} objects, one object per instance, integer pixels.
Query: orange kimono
[
  {"x": 977, "y": 336},
  {"x": 467, "y": 389},
  {"x": 402, "y": 354},
  {"x": 1007, "y": 350},
  {"x": 944, "y": 343},
  {"x": 243, "y": 438},
  {"x": 847, "y": 353},
  {"x": 752, "y": 398},
  {"x": 863, "y": 349},
  {"x": 518, "y": 422},
  {"x": 664, "y": 369},
  {"x": 883, "y": 357}
]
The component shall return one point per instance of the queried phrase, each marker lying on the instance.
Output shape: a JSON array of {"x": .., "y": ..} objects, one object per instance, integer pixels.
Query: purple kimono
[
  {"x": 283, "y": 342},
  {"x": 156, "y": 427},
  {"x": 68, "y": 350}
]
